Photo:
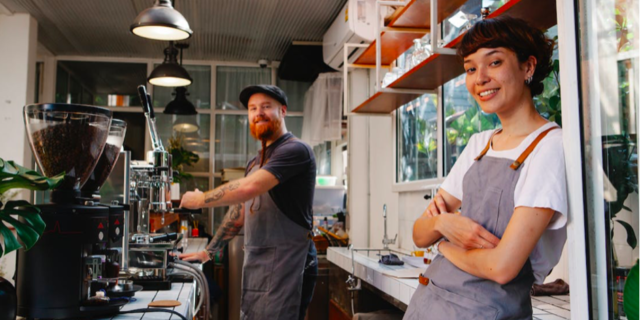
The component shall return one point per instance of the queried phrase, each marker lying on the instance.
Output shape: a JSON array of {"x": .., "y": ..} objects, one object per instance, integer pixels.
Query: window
[
  {"x": 462, "y": 119},
  {"x": 417, "y": 142},
  {"x": 231, "y": 80},
  {"x": 609, "y": 67}
]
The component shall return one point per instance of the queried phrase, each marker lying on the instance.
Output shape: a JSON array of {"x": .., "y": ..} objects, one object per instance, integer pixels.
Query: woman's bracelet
[{"x": 435, "y": 247}]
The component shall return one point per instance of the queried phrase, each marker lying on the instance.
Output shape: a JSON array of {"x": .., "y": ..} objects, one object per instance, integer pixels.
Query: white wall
[{"x": 18, "y": 34}]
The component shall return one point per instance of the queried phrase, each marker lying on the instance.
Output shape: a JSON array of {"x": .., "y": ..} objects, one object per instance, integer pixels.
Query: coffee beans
[{"x": 73, "y": 147}]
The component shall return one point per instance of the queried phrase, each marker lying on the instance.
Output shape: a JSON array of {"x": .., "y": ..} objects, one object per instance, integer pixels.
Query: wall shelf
[
  {"x": 441, "y": 68},
  {"x": 415, "y": 15}
]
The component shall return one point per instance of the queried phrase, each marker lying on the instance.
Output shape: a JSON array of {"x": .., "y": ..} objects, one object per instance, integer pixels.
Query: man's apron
[
  {"x": 275, "y": 249},
  {"x": 488, "y": 188}
]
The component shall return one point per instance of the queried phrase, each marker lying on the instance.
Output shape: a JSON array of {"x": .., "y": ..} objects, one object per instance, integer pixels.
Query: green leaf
[
  {"x": 15, "y": 176},
  {"x": 631, "y": 235},
  {"x": 29, "y": 212},
  {"x": 27, "y": 234},
  {"x": 10, "y": 241},
  {"x": 630, "y": 36},
  {"x": 631, "y": 293}
]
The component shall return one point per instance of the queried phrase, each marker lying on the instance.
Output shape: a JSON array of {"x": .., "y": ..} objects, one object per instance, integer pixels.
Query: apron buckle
[{"x": 423, "y": 280}]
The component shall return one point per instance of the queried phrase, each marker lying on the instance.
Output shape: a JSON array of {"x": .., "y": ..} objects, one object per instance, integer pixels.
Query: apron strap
[
  {"x": 484, "y": 151},
  {"x": 516, "y": 164}
]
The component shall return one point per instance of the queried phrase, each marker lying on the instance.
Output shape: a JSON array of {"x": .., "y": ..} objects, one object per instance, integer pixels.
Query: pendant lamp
[
  {"x": 180, "y": 105},
  {"x": 161, "y": 22},
  {"x": 170, "y": 73}
]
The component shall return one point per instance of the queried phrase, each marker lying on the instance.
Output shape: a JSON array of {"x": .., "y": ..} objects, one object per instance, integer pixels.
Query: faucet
[{"x": 385, "y": 240}]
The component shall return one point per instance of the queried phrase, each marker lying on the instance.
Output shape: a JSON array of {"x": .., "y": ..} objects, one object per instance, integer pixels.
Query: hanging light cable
[
  {"x": 170, "y": 73},
  {"x": 161, "y": 22}
]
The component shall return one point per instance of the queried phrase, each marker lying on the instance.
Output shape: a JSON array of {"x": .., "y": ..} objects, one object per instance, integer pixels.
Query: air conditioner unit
[{"x": 354, "y": 24}]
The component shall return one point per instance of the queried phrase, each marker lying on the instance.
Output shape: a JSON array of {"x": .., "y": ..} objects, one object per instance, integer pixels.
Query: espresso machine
[
  {"x": 63, "y": 274},
  {"x": 150, "y": 192}
]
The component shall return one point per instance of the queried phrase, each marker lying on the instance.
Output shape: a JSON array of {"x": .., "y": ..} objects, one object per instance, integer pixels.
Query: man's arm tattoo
[
  {"x": 231, "y": 224},
  {"x": 218, "y": 193}
]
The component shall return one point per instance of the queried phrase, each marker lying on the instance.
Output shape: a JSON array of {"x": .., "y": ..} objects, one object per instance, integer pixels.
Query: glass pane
[
  {"x": 461, "y": 20},
  {"x": 322, "y": 153},
  {"x": 100, "y": 83},
  {"x": 234, "y": 144},
  {"x": 295, "y": 91},
  {"x": 136, "y": 132},
  {"x": 199, "y": 92},
  {"x": 294, "y": 125},
  {"x": 609, "y": 53},
  {"x": 186, "y": 144},
  {"x": 463, "y": 118},
  {"x": 231, "y": 80},
  {"x": 62, "y": 85},
  {"x": 417, "y": 139}
]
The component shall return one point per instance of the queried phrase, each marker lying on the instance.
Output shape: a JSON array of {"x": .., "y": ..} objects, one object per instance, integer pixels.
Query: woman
[{"x": 510, "y": 183}]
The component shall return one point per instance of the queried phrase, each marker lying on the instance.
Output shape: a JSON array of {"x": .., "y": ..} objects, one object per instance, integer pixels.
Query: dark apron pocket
[
  {"x": 258, "y": 267},
  {"x": 445, "y": 304}
]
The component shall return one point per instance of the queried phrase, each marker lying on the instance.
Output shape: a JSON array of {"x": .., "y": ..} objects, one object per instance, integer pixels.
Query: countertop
[
  {"x": 369, "y": 270},
  {"x": 183, "y": 292}
]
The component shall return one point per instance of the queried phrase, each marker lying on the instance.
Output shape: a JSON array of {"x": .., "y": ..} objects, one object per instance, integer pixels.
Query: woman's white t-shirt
[{"x": 542, "y": 184}]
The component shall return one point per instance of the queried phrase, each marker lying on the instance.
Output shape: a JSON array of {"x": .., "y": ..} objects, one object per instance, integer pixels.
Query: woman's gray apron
[
  {"x": 488, "y": 188},
  {"x": 275, "y": 249}
]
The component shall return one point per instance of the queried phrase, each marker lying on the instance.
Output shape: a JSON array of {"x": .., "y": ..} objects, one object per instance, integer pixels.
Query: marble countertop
[{"x": 369, "y": 270}]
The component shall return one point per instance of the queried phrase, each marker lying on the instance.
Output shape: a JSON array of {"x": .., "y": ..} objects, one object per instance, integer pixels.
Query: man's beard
[{"x": 264, "y": 131}]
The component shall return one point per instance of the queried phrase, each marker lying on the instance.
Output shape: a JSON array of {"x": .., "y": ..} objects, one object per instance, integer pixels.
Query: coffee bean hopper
[
  {"x": 63, "y": 274},
  {"x": 151, "y": 193}
]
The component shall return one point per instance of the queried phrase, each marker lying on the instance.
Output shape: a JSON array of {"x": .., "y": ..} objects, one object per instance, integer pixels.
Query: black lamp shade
[
  {"x": 161, "y": 22},
  {"x": 170, "y": 74},
  {"x": 180, "y": 105}
]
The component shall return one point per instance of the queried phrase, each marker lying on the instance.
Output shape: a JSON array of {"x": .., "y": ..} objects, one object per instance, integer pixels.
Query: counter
[
  {"x": 183, "y": 292},
  {"x": 369, "y": 270}
]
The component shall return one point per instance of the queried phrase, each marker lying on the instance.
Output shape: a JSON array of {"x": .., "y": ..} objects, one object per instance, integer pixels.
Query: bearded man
[{"x": 273, "y": 204}]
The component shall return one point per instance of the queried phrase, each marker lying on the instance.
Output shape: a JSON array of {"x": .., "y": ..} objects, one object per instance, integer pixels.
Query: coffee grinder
[
  {"x": 60, "y": 275},
  {"x": 118, "y": 212}
]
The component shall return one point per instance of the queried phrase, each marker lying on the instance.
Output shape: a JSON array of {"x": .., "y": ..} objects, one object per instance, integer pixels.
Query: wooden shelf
[
  {"x": 415, "y": 15},
  {"x": 385, "y": 102},
  {"x": 439, "y": 69}
]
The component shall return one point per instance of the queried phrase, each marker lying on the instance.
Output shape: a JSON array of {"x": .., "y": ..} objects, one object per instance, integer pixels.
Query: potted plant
[
  {"x": 30, "y": 226},
  {"x": 181, "y": 157}
]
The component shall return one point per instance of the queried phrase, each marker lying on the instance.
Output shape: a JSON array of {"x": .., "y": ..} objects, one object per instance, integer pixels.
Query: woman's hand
[
  {"x": 192, "y": 200},
  {"x": 436, "y": 206},
  {"x": 201, "y": 256},
  {"x": 465, "y": 233}
]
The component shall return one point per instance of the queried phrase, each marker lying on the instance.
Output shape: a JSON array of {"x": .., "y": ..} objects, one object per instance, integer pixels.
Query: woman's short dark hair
[{"x": 516, "y": 35}]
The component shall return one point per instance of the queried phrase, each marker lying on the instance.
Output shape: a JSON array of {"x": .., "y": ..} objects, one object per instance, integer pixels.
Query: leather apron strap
[{"x": 518, "y": 162}]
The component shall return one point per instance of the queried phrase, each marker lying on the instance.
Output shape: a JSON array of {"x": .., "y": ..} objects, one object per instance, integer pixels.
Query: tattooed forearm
[
  {"x": 231, "y": 224},
  {"x": 218, "y": 193}
]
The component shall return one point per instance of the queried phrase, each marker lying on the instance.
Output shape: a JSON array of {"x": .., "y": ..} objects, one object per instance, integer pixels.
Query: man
[{"x": 273, "y": 204}]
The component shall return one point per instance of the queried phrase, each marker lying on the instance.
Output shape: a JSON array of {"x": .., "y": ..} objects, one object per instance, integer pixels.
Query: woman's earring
[{"x": 528, "y": 81}]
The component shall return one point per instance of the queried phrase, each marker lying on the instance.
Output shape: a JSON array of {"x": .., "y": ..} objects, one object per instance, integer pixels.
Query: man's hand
[
  {"x": 192, "y": 200},
  {"x": 195, "y": 256},
  {"x": 465, "y": 233}
]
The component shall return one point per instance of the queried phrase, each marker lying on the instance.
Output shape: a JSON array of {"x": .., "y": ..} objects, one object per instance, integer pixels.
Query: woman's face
[{"x": 496, "y": 79}]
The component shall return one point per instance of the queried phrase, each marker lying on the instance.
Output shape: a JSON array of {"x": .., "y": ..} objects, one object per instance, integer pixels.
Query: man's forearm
[
  {"x": 231, "y": 224},
  {"x": 223, "y": 195}
]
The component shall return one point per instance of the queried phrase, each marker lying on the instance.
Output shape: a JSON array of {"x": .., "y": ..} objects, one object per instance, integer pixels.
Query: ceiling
[{"x": 231, "y": 30}]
